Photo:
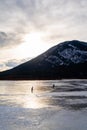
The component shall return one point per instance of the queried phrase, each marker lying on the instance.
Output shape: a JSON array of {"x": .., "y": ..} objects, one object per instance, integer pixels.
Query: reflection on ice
[
  {"x": 32, "y": 101},
  {"x": 65, "y": 94}
]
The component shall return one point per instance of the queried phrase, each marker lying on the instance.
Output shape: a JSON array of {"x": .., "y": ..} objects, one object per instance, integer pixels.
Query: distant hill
[{"x": 65, "y": 60}]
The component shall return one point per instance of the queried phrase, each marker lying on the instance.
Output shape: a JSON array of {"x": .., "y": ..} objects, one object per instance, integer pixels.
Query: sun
[{"x": 32, "y": 45}]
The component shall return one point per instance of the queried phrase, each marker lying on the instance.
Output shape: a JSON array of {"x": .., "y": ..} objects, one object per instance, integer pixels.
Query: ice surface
[{"x": 63, "y": 107}]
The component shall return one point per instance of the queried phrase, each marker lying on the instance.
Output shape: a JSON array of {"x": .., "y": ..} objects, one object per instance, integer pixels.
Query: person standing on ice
[{"x": 32, "y": 89}]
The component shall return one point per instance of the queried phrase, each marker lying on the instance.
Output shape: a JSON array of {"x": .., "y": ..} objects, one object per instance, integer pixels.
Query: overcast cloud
[{"x": 65, "y": 19}]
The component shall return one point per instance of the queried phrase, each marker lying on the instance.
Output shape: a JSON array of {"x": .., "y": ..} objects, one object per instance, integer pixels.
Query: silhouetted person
[
  {"x": 53, "y": 85},
  {"x": 32, "y": 89}
]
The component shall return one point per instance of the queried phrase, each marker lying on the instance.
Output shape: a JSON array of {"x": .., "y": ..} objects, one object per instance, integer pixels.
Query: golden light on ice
[
  {"x": 32, "y": 46},
  {"x": 33, "y": 102}
]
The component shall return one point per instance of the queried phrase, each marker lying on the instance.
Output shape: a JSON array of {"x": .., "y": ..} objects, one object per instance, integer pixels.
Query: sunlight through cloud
[{"x": 32, "y": 46}]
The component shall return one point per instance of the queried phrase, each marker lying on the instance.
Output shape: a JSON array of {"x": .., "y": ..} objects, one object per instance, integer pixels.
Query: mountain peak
[{"x": 74, "y": 43}]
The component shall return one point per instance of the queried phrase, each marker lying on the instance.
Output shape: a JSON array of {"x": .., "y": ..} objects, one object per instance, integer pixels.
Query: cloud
[
  {"x": 9, "y": 64},
  {"x": 9, "y": 39},
  {"x": 65, "y": 19},
  {"x": 12, "y": 63}
]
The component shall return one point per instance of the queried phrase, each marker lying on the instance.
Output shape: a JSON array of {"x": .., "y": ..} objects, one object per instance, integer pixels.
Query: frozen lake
[{"x": 62, "y": 107}]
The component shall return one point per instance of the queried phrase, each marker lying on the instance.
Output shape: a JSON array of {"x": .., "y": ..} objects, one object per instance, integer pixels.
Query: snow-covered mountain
[
  {"x": 65, "y": 60},
  {"x": 68, "y": 52}
]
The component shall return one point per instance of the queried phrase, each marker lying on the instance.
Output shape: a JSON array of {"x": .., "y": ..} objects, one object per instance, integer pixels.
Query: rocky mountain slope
[{"x": 65, "y": 60}]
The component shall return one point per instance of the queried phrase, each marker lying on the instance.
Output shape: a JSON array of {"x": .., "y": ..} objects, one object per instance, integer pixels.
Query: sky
[{"x": 30, "y": 27}]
